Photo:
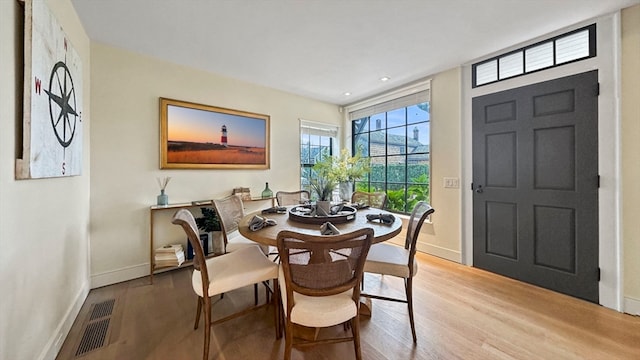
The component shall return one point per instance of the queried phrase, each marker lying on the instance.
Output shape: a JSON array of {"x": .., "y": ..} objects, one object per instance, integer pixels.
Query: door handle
[{"x": 479, "y": 189}]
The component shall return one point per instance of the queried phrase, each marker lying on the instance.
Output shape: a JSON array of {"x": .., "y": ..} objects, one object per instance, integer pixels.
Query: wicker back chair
[
  {"x": 373, "y": 199},
  {"x": 320, "y": 282},
  {"x": 389, "y": 259},
  {"x": 230, "y": 209},
  {"x": 292, "y": 197},
  {"x": 225, "y": 273}
]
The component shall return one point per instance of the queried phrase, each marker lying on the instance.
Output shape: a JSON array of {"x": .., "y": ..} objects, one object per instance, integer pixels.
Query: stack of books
[{"x": 169, "y": 255}]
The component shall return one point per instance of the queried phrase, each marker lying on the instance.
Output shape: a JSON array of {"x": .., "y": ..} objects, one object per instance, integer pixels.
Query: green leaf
[{"x": 209, "y": 220}]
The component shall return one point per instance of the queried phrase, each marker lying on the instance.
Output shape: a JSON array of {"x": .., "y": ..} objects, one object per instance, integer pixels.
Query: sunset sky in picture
[{"x": 195, "y": 125}]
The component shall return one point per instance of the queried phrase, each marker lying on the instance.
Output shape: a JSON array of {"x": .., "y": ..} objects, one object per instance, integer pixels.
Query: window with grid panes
[
  {"x": 395, "y": 136},
  {"x": 316, "y": 142}
]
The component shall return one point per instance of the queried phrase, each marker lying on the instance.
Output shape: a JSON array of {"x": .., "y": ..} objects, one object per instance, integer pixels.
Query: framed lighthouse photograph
[{"x": 197, "y": 136}]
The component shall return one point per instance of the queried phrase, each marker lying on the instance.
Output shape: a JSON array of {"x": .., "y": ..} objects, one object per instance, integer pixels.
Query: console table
[{"x": 155, "y": 209}]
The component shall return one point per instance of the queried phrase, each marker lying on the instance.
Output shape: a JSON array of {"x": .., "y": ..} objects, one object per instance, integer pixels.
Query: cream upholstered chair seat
[
  {"x": 315, "y": 311},
  {"x": 243, "y": 267},
  {"x": 389, "y": 259}
]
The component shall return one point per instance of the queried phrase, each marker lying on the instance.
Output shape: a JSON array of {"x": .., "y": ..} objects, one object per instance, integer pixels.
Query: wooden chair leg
[
  {"x": 355, "y": 330},
  {"x": 198, "y": 311},
  {"x": 207, "y": 328},
  {"x": 276, "y": 309},
  {"x": 409, "y": 293},
  {"x": 255, "y": 294},
  {"x": 288, "y": 343},
  {"x": 281, "y": 312}
]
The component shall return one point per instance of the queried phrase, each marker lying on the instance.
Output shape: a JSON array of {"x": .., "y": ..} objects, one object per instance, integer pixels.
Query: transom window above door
[{"x": 573, "y": 46}]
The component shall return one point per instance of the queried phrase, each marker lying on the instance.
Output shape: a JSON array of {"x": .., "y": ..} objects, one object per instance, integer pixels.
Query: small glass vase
[
  {"x": 346, "y": 191},
  {"x": 163, "y": 199},
  {"x": 267, "y": 193}
]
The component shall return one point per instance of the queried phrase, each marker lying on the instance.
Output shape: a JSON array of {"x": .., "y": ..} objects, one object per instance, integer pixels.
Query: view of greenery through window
[
  {"x": 397, "y": 144},
  {"x": 313, "y": 148}
]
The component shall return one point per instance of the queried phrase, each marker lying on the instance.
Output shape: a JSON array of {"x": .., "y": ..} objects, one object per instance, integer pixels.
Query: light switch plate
[{"x": 452, "y": 183}]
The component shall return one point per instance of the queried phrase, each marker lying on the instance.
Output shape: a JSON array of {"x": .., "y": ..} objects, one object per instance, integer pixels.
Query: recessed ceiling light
[
  {"x": 347, "y": 93},
  {"x": 385, "y": 78}
]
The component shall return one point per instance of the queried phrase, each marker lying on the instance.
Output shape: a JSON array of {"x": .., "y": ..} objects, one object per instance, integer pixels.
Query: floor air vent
[
  {"x": 94, "y": 336},
  {"x": 102, "y": 309},
  {"x": 97, "y": 329}
]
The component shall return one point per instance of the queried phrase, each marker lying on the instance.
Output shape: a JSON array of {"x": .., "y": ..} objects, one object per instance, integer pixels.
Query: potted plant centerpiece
[
  {"x": 333, "y": 170},
  {"x": 346, "y": 169},
  {"x": 209, "y": 223},
  {"x": 322, "y": 185}
]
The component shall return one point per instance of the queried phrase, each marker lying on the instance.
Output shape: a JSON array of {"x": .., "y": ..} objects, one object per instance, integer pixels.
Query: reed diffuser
[{"x": 163, "y": 199}]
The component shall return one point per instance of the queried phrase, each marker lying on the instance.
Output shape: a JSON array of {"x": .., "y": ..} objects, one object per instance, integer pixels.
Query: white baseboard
[
  {"x": 438, "y": 251},
  {"x": 119, "y": 275},
  {"x": 54, "y": 344},
  {"x": 430, "y": 249},
  {"x": 631, "y": 306}
]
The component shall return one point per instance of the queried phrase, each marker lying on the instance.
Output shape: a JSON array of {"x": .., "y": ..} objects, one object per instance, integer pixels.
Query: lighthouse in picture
[{"x": 223, "y": 138}]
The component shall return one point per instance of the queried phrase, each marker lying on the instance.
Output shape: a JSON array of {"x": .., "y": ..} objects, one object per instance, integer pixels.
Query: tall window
[
  {"x": 394, "y": 134},
  {"x": 316, "y": 141}
]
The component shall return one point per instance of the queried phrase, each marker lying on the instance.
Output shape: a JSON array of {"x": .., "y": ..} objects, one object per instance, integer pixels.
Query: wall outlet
[{"x": 452, "y": 183}]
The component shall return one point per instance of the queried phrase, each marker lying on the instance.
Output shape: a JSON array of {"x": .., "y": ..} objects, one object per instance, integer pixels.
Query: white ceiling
[{"x": 324, "y": 48}]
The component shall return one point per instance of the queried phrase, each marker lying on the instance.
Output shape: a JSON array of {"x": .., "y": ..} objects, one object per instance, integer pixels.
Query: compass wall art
[{"x": 52, "y": 126}]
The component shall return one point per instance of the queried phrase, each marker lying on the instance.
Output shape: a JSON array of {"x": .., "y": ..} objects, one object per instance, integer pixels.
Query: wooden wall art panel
[{"x": 52, "y": 124}]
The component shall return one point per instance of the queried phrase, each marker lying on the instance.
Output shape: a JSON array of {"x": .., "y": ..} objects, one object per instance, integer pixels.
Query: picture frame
[
  {"x": 197, "y": 136},
  {"x": 51, "y": 130}
]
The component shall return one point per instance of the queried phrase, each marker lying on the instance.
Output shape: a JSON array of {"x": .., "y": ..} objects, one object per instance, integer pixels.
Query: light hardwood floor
[{"x": 461, "y": 313}]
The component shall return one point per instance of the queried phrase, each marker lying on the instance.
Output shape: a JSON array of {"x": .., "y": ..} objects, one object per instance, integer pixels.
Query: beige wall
[
  {"x": 441, "y": 237},
  {"x": 631, "y": 156},
  {"x": 44, "y": 224},
  {"x": 125, "y": 156}
]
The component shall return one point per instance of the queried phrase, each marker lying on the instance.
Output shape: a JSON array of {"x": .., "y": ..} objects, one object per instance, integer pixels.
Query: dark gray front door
[{"x": 535, "y": 183}]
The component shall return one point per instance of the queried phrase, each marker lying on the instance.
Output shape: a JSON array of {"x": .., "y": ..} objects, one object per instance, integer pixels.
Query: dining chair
[
  {"x": 231, "y": 211},
  {"x": 373, "y": 199},
  {"x": 286, "y": 198},
  {"x": 225, "y": 273},
  {"x": 292, "y": 197},
  {"x": 393, "y": 260},
  {"x": 320, "y": 283}
]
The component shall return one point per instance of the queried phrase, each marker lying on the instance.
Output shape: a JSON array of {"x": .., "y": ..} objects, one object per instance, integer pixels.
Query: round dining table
[{"x": 268, "y": 235}]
